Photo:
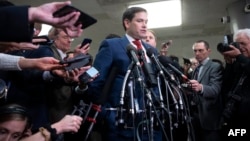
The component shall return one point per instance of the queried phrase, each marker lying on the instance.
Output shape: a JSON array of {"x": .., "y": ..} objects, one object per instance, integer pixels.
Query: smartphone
[
  {"x": 84, "y": 19},
  {"x": 85, "y": 41},
  {"x": 89, "y": 74},
  {"x": 92, "y": 72}
]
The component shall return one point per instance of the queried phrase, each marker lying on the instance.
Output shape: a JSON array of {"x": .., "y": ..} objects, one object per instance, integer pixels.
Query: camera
[
  {"x": 228, "y": 40},
  {"x": 247, "y": 8},
  {"x": 222, "y": 47}
]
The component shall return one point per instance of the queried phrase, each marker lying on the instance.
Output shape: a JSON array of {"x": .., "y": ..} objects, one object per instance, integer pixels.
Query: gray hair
[{"x": 245, "y": 32}]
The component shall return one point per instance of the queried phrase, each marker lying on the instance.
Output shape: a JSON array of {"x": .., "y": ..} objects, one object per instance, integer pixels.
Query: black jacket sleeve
[{"x": 14, "y": 25}]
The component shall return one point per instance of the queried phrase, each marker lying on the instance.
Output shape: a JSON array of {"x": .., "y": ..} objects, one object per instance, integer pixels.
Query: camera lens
[{"x": 222, "y": 47}]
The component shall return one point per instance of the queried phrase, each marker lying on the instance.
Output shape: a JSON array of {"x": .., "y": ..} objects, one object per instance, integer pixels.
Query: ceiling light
[
  {"x": 45, "y": 29},
  {"x": 162, "y": 13}
]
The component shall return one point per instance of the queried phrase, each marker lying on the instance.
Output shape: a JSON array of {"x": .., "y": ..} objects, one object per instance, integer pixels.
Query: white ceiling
[{"x": 200, "y": 17}]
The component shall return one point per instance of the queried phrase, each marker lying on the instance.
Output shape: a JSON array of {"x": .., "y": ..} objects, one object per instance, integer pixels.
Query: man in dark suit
[
  {"x": 113, "y": 54},
  {"x": 206, "y": 102},
  {"x": 235, "y": 87}
]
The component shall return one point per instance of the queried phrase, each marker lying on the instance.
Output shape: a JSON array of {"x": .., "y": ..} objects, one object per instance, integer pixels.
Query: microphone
[
  {"x": 150, "y": 53},
  {"x": 147, "y": 69},
  {"x": 167, "y": 62},
  {"x": 131, "y": 50}
]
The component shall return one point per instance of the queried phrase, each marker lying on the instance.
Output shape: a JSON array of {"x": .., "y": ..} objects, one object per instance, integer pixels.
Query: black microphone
[
  {"x": 147, "y": 69},
  {"x": 131, "y": 50},
  {"x": 167, "y": 62},
  {"x": 150, "y": 53}
]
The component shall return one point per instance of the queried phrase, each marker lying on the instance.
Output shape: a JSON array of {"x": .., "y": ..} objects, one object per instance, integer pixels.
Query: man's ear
[{"x": 126, "y": 23}]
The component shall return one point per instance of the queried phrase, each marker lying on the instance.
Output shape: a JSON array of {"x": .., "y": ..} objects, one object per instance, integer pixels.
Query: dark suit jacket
[
  {"x": 15, "y": 25},
  {"x": 112, "y": 53},
  {"x": 209, "y": 103},
  {"x": 231, "y": 77}
]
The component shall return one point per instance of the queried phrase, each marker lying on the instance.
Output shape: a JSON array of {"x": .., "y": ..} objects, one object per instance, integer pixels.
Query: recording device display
[
  {"x": 223, "y": 47},
  {"x": 84, "y": 19},
  {"x": 78, "y": 61},
  {"x": 86, "y": 41},
  {"x": 89, "y": 74}
]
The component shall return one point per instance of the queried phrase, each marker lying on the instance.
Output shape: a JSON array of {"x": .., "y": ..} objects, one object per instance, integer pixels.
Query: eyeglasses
[{"x": 65, "y": 37}]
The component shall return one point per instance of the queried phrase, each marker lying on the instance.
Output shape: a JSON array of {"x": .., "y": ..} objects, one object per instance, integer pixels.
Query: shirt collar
[
  {"x": 131, "y": 39},
  {"x": 204, "y": 61},
  {"x": 62, "y": 54}
]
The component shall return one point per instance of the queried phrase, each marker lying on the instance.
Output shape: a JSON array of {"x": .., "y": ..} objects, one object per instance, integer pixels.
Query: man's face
[
  {"x": 63, "y": 41},
  {"x": 244, "y": 42},
  {"x": 12, "y": 130},
  {"x": 137, "y": 27},
  {"x": 200, "y": 51},
  {"x": 150, "y": 39}
]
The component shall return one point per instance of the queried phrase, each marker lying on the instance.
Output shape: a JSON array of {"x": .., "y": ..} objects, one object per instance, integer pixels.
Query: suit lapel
[
  {"x": 204, "y": 70},
  {"x": 124, "y": 43}
]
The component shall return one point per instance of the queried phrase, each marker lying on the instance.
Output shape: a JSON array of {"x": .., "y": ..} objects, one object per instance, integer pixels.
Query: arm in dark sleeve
[
  {"x": 104, "y": 54},
  {"x": 14, "y": 25},
  {"x": 245, "y": 62}
]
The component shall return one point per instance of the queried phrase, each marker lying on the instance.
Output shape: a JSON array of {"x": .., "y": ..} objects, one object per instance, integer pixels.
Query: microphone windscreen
[
  {"x": 150, "y": 51},
  {"x": 165, "y": 60},
  {"x": 131, "y": 47}
]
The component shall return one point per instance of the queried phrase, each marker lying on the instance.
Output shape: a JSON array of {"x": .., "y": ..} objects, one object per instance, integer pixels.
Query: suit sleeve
[
  {"x": 213, "y": 88},
  {"x": 14, "y": 25},
  {"x": 103, "y": 63}
]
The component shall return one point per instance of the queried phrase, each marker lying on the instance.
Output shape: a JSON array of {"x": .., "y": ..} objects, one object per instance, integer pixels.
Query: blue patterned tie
[{"x": 196, "y": 72}]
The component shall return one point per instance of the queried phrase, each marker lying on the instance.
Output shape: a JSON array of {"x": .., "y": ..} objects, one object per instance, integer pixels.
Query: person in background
[
  {"x": 189, "y": 66},
  {"x": 151, "y": 39},
  {"x": 15, "y": 125},
  {"x": 235, "y": 88},
  {"x": 206, "y": 103}
]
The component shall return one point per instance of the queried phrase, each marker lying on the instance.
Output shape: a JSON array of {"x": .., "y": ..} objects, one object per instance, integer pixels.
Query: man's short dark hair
[
  {"x": 205, "y": 43},
  {"x": 129, "y": 14}
]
